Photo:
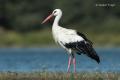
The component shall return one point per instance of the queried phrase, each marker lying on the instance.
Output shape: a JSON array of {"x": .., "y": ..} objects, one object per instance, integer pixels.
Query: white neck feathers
[{"x": 57, "y": 19}]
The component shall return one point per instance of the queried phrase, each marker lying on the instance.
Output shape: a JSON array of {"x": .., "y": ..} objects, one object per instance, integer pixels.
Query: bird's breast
[{"x": 55, "y": 34}]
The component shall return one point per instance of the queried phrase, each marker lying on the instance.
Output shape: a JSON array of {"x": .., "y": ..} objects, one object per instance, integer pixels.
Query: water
[{"x": 55, "y": 59}]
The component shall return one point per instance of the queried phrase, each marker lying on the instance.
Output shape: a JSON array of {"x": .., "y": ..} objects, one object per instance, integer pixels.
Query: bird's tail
[
  {"x": 89, "y": 51},
  {"x": 92, "y": 54}
]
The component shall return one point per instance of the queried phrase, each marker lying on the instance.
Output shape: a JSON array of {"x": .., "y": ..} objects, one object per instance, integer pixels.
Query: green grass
[
  {"x": 37, "y": 38},
  {"x": 58, "y": 76},
  {"x": 44, "y": 37}
]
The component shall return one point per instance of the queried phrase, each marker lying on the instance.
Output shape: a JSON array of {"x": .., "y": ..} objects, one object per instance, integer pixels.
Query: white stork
[{"x": 71, "y": 40}]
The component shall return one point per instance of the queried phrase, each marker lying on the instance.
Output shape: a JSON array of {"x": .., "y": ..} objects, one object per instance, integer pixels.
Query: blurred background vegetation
[{"x": 20, "y": 21}]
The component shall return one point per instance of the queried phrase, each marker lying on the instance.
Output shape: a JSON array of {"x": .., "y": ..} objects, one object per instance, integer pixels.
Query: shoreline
[{"x": 53, "y": 47}]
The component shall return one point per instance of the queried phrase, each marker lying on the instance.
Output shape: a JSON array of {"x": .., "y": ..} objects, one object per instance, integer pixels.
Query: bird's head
[{"x": 56, "y": 12}]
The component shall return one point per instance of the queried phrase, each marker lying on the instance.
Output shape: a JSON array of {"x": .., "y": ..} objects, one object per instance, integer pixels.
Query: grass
[
  {"x": 37, "y": 38},
  {"x": 58, "y": 76},
  {"x": 44, "y": 37},
  {"x": 102, "y": 33}
]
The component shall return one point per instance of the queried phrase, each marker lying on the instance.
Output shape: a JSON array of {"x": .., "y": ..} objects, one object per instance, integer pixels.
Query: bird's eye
[{"x": 55, "y": 11}]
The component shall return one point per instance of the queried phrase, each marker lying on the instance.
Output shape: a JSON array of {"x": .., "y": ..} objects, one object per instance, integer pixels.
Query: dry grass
[{"x": 59, "y": 76}]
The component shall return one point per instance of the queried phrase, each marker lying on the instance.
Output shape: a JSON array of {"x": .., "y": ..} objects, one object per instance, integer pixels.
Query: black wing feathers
[
  {"x": 89, "y": 51},
  {"x": 82, "y": 35}
]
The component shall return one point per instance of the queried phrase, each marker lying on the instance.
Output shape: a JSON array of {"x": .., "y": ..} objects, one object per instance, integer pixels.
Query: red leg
[
  {"x": 68, "y": 69},
  {"x": 74, "y": 63},
  {"x": 69, "y": 63}
]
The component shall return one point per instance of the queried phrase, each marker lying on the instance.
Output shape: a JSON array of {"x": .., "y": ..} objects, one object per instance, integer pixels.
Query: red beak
[{"x": 50, "y": 16}]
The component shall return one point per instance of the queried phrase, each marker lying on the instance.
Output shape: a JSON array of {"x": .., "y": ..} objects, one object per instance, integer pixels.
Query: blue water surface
[{"x": 55, "y": 59}]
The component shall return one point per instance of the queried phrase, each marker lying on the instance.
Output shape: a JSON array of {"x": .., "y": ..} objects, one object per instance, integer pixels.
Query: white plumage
[
  {"x": 71, "y": 40},
  {"x": 66, "y": 35}
]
